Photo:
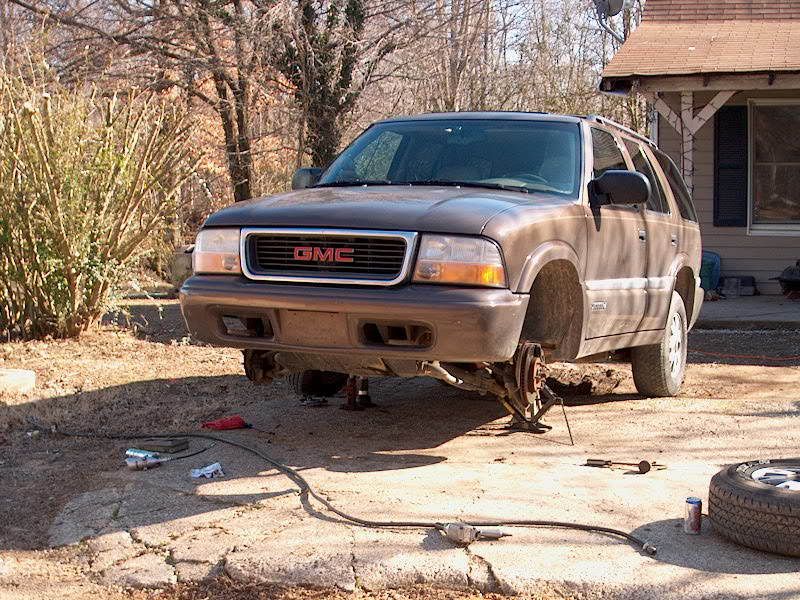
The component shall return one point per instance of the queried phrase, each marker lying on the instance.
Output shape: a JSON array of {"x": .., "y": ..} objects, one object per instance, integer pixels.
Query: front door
[
  {"x": 662, "y": 238},
  {"x": 616, "y": 253}
]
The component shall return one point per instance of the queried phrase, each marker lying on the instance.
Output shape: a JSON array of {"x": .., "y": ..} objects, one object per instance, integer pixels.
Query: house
[{"x": 724, "y": 78}]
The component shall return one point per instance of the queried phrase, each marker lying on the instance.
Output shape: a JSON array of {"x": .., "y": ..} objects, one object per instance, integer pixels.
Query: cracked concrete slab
[
  {"x": 148, "y": 570},
  {"x": 420, "y": 461},
  {"x": 112, "y": 548},
  {"x": 402, "y": 558},
  {"x": 312, "y": 553}
]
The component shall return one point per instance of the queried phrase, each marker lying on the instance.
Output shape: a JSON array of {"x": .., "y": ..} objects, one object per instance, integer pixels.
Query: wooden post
[
  {"x": 687, "y": 155},
  {"x": 687, "y": 124}
]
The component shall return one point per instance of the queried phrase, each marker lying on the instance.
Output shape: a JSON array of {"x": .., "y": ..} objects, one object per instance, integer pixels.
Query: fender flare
[
  {"x": 679, "y": 263},
  {"x": 543, "y": 254}
]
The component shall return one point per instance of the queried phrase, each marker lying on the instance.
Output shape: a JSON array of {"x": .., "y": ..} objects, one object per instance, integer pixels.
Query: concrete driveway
[{"x": 433, "y": 453}]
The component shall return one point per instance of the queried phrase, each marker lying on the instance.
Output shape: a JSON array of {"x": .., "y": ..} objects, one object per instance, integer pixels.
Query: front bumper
[{"x": 440, "y": 322}]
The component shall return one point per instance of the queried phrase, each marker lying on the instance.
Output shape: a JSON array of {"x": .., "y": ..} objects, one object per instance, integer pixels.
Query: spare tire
[{"x": 757, "y": 504}]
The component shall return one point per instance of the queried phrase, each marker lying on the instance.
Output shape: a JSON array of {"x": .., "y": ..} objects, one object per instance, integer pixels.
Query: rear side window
[
  {"x": 677, "y": 185},
  {"x": 641, "y": 163},
  {"x": 607, "y": 155}
]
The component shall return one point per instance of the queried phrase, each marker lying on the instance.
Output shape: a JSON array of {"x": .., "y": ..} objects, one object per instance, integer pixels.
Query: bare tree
[
  {"x": 212, "y": 49},
  {"x": 330, "y": 51}
]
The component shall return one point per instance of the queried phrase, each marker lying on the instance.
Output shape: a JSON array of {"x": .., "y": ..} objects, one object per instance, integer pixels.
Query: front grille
[{"x": 328, "y": 257}]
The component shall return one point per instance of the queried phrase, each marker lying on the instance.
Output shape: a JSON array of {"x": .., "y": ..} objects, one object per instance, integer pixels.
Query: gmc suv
[{"x": 466, "y": 246}]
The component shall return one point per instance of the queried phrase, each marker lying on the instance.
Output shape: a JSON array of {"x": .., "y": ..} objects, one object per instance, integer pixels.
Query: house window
[{"x": 774, "y": 166}]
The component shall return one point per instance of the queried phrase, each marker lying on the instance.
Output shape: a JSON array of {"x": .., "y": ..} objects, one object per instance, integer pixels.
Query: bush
[{"x": 84, "y": 181}]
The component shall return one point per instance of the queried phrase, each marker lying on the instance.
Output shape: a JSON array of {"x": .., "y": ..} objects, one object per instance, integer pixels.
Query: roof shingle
[
  {"x": 679, "y": 37},
  {"x": 720, "y": 10}
]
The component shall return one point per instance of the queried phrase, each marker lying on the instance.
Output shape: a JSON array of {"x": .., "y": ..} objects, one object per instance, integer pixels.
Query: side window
[
  {"x": 679, "y": 190},
  {"x": 607, "y": 155},
  {"x": 641, "y": 163},
  {"x": 376, "y": 159}
]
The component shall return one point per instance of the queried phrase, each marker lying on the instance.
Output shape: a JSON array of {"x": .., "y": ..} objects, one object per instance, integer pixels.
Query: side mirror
[
  {"x": 306, "y": 177},
  {"x": 619, "y": 187}
]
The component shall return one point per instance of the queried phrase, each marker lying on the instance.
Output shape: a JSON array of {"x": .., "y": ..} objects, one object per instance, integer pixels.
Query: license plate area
[{"x": 313, "y": 328}]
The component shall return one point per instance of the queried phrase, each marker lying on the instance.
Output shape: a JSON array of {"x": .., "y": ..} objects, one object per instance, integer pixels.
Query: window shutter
[{"x": 730, "y": 167}]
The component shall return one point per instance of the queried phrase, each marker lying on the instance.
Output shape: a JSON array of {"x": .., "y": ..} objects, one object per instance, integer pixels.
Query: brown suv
[{"x": 465, "y": 246}]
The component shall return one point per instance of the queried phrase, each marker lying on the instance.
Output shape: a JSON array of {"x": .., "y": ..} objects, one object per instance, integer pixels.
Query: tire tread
[{"x": 753, "y": 518}]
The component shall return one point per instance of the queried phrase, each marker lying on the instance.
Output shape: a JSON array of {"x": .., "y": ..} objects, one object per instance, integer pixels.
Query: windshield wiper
[
  {"x": 354, "y": 183},
  {"x": 470, "y": 184}
]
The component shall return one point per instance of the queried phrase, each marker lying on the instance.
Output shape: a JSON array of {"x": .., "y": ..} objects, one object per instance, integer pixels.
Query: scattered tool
[
  {"x": 232, "y": 422},
  {"x": 136, "y": 463},
  {"x": 208, "y": 472},
  {"x": 643, "y": 466},
  {"x": 463, "y": 533},
  {"x": 138, "y": 453}
]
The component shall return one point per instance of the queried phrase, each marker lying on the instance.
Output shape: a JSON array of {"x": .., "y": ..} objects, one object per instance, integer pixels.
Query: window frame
[
  {"x": 617, "y": 140},
  {"x": 663, "y": 186},
  {"x": 756, "y": 229},
  {"x": 673, "y": 165}
]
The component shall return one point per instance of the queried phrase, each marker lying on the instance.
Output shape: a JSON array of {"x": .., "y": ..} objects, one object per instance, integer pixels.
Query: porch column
[
  {"x": 688, "y": 124},
  {"x": 687, "y": 147}
]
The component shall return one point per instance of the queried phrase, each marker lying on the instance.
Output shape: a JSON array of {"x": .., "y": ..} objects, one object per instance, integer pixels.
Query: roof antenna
[{"x": 605, "y": 10}]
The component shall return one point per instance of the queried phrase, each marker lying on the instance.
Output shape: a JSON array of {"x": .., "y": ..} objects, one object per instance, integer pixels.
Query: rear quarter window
[
  {"x": 679, "y": 190},
  {"x": 641, "y": 163},
  {"x": 607, "y": 155}
]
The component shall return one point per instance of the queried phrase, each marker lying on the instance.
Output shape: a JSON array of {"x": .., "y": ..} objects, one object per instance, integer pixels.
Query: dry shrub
[{"x": 85, "y": 181}]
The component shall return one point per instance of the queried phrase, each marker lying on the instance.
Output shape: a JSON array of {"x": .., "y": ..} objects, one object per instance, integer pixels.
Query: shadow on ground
[
  {"x": 326, "y": 438},
  {"x": 709, "y": 552},
  {"x": 153, "y": 320}
]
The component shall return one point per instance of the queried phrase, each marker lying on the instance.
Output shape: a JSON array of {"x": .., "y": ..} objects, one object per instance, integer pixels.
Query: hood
[{"x": 406, "y": 208}]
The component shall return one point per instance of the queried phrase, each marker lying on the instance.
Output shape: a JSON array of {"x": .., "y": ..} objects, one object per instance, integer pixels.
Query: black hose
[{"x": 305, "y": 488}]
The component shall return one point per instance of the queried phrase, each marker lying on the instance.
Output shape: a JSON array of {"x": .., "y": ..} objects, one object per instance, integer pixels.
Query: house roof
[
  {"x": 682, "y": 37},
  {"x": 720, "y": 10}
]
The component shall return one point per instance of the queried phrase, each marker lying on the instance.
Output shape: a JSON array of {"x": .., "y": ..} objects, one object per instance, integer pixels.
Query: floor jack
[{"x": 530, "y": 399}]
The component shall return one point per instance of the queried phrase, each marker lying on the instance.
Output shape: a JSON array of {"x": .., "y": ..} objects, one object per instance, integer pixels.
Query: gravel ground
[{"x": 425, "y": 451}]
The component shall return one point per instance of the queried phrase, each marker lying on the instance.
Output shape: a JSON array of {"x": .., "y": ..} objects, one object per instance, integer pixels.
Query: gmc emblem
[{"x": 324, "y": 255}]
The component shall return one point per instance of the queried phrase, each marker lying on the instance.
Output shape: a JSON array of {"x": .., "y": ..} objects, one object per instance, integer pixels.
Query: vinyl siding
[{"x": 762, "y": 256}]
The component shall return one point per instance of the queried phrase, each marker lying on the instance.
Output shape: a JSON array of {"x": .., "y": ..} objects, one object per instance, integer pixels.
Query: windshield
[{"x": 525, "y": 156}]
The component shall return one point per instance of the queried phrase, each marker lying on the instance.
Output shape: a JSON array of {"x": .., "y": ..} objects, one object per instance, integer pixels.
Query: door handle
[
  {"x": 642, "y": 235},
  {"x": 673, "y": 239}
]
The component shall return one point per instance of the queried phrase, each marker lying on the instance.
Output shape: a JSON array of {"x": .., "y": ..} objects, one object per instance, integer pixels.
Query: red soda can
[{"x": 694, "y": 515}]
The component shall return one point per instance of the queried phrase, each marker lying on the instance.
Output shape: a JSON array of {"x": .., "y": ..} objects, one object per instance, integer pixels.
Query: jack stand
[
  {"x": 531, "y": 398},
  {"x": 364, "y": 399},
  {"x": 351, "y": 395}
]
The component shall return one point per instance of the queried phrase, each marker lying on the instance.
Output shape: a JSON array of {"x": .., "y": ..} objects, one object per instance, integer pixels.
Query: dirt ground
[{"x": 140, "y": 374}]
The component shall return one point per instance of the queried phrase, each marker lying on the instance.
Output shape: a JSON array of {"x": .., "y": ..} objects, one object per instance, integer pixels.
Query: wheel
[
  {"x": 757, "y": 504},
  {"x": 317, "y": 383},
  {"x": 658, "y": 370}
]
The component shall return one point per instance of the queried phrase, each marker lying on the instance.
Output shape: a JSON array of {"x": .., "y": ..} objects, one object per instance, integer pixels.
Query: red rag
[{"x": 234, "y": 422}]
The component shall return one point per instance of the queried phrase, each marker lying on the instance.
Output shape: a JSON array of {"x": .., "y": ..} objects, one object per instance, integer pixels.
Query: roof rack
[{"x": 628, "y": 130}]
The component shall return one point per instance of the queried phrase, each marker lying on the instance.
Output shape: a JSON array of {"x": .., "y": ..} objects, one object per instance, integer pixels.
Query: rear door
[
  {"x": 616, "y": 252},
  {"x": 662, "y": 236}
]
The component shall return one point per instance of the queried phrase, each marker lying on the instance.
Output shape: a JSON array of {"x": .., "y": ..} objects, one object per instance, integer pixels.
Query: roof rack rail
[{"x": 628, "y": 130}]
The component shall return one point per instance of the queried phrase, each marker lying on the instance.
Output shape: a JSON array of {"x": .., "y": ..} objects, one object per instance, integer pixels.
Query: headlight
[
  {"x": 217, "y": 251},
  {"x": 461, "y": 260}
]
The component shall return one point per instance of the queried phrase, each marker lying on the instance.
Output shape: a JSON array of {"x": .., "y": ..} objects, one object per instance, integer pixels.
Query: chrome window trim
[{"x": 410, "y": 238}]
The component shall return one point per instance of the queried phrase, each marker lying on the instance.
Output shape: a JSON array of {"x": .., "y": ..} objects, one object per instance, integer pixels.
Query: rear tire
[
  {"x": 322, "y": 384},
  {"x": 659, "y": 369}
]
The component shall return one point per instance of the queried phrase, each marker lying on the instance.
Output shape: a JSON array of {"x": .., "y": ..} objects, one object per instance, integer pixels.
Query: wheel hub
[
  {"x": 787, "y": 477},
  {"x": 676, "y": 345}
]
